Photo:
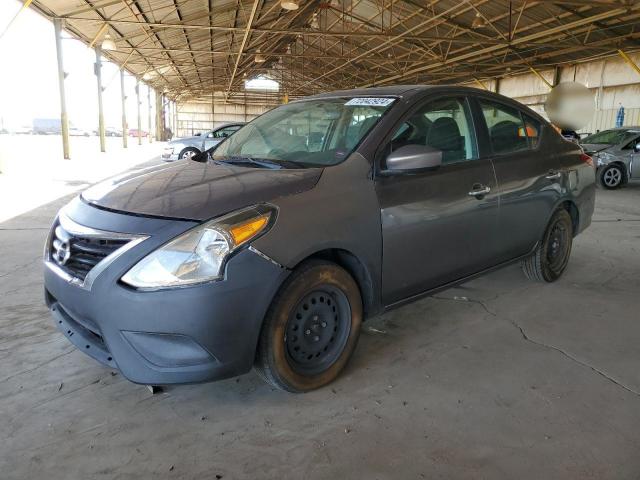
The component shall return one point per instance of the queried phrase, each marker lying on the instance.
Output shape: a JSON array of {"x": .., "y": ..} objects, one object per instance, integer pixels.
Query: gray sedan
[
  {"x": 187, "y": 147},
  {"x": 317, "y": 215},
  {"x": 615, "y": 151}
]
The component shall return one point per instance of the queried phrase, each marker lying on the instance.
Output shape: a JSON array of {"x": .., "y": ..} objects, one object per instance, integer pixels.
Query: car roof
[
  {"x": 230, "y": 124},
  {"x": 624, "y": 129},
  {"x": 393, "y": 90},
  {"x": 407, "y": 91}
]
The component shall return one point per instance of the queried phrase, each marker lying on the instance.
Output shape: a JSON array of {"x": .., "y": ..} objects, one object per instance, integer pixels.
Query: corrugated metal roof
[{"x": 194, "y": 47}]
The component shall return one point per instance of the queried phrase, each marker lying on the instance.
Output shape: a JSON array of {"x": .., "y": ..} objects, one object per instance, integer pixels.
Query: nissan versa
[{"x": 272, "y": 250}]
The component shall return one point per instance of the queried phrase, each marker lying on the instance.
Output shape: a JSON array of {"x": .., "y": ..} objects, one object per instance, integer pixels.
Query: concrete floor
[{"x": 500, "y": 378}]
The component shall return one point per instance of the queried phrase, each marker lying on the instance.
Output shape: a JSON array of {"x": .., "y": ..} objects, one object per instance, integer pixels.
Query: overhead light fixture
[
  {"x": 478, "y": 21},
  {"x": 108, "y": 43},
  {"x": 289, "y": 4},
  {"x": 259, "y": 58}
]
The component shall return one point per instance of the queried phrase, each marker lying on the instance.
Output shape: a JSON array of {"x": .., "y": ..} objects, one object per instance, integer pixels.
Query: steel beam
[
  {"x": 541, "y": 77},
  {"x": 629, "y": 61},
  {"x": 64, "y": 121},
  {"x": 247, "y": 31},
  {"x": 25, "y": 5}
]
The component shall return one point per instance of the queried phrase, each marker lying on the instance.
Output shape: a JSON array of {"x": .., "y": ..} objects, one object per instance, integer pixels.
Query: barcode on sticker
[{"x": 370, "y": 101}]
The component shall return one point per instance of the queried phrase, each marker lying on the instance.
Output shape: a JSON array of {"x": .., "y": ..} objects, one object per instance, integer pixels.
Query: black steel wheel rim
[
  {"x": 317, "y": 330},
  {"x": 557, "y": 246}
]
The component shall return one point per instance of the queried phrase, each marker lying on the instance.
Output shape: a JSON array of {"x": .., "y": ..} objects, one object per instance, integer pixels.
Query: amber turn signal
[{"x": 249, "y": 229}]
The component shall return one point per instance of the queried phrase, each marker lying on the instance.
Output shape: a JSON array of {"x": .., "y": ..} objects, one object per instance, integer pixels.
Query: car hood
[
  {"x": 595, "y": 147},
  {"x": 197, "y": 191}
]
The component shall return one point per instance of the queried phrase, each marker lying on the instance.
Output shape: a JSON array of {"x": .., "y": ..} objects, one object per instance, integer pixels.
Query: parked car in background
[
  {"x": 24, "y": 130},
  {"x": 47, "y": 126},
  {"x": 313, "y": 217},
  {"x": 133, "y": 132},
  {"x": 112, "y": 132},
  {"x": 182, "y": 148},
  {"x": 78, "y": 132},
  {"x": 616, "y": 153}
]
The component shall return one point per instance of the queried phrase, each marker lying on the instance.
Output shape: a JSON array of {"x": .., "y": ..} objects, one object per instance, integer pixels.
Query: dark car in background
[
  {"x": 313, "y": 217},
  {"x": 187, "y": 147},
  {"x": 616, "y": 153}
]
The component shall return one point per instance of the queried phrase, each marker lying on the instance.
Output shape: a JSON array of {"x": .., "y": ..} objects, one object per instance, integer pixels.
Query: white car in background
[{"x": 182, "y": 148}]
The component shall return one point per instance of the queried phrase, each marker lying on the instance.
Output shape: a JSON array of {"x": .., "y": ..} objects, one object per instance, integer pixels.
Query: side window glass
[
  {"x": 506, "y": 129},
  {"x": 631, "y": 145},
  {"x": 441, "y": 124},
  {"x": 225, "y": 132},
  {"x": 532, "y": 130}
]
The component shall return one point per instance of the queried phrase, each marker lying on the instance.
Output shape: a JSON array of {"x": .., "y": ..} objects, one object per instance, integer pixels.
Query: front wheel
[
  {"x": 550, "y": 259},
  {"x": 188, "y": 152},
  {"x": 311, "y": 328},
  {"x": 611, "y": 177}
]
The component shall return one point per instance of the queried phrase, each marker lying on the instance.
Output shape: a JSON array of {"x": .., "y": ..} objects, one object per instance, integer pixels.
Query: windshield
[
  {"x": 609, "y": 137},
  {"x": 318, "y": 132}
]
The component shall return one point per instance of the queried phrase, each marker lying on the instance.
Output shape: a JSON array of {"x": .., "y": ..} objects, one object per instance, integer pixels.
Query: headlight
[{"x": 199, "y": 255}]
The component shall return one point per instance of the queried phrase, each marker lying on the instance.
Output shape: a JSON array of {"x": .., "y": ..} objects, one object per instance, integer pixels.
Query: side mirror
[{"x": 414, "y": 158}]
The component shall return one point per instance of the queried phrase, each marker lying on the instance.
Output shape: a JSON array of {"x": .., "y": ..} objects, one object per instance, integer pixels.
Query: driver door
[
  {"x": 634, "y": 162},
  {"x": 435, "y": 230}
]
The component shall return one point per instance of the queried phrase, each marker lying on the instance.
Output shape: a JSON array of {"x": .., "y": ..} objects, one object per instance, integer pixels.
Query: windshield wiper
[{"x": 264, "y": 163}]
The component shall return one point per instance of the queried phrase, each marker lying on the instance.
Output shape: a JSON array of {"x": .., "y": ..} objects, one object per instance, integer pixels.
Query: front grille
[{"x": 77, "y": 254}]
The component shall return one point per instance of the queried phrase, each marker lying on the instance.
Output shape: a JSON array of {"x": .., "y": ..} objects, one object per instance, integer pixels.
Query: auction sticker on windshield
[{"x": 370, "y": 101}]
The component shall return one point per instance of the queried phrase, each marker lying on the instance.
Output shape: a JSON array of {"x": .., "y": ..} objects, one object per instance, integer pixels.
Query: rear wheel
[
  {"x": 311, "y": 328},
  {"x": 611, "y": 177},
  {"x": 551, "y": 256}
]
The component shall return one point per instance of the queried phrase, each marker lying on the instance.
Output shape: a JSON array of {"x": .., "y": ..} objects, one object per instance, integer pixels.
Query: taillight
[{"x": 587, "y": 159}]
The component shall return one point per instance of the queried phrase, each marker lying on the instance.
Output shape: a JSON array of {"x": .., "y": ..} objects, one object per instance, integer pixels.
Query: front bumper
[
  {"x": 183, "y": 335},
  {"x": 169, "y": 156}
]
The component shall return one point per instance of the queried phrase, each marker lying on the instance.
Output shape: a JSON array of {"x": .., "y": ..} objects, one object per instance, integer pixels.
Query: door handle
[
  {"x": 553, "y": 175},
  {"x": 479, "y": 191}
]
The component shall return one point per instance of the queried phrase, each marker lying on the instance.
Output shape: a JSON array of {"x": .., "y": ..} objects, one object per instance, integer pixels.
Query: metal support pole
[
  {"x": 175, "y": 118},
  {"x": 163, "y": 116},
  {"x": 138, "y": 108},
  {"x": 98, "y": 72},
  {"x": 149, "y": 109},
  {"x": 123, "y": 98},
  {"x": 64, "y": 121},
  {"x": 158, "y": 116},
  {"x": 497, "y": 85},
  {"x": 556, "y": 75}
]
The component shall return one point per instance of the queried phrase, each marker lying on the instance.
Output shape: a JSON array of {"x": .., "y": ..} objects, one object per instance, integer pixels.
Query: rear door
[
  {"x": 529, "y": 178},
  {"x": 437, "y": 226}
]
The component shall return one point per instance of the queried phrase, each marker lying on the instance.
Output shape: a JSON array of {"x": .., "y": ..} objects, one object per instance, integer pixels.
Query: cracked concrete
[{"x": 497, "y": 378}]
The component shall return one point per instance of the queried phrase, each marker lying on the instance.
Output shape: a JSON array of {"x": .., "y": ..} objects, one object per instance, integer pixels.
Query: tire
[
  {"x": 311, "y": 328},
  {"x": 188, "y": 153},
  {"x": 611, "y": 177},
  {"x": 551, "y": 256}
]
